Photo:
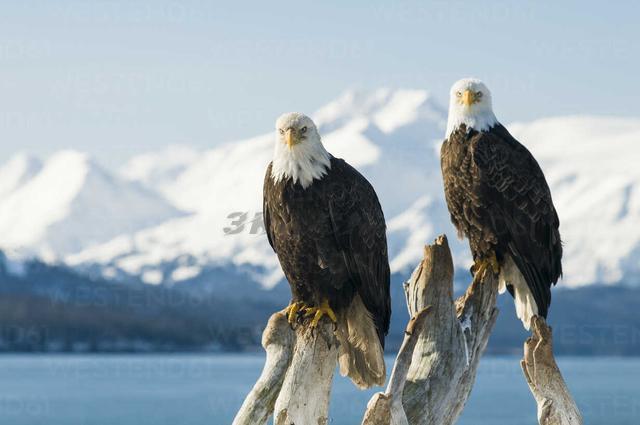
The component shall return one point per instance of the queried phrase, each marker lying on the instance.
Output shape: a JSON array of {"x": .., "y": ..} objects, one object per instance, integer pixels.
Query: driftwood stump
[
  {"x": 555, "y": 404},
  {"x": 277, "y": 339},
  {"x": 306, "y": 390},
  {"x": 434, "y": 370},
  {"x": 296, "y": 380},
  {"x": 444, "y": 365},
  {"x": 386, "y": 408}
]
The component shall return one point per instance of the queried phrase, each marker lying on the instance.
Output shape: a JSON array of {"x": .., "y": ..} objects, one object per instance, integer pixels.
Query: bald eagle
[
  {"x": 499, "y": 199},
  {"x": 324, "y": 222}
]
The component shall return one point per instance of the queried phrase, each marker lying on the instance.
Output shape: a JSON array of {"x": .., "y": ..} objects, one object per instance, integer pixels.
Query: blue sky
[{"x": 115, "y": 78}]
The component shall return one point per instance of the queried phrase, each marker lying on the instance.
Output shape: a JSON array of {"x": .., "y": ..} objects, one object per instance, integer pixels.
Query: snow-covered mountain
[
  {"x": 592, "y": 165},
  {"x": 391, "y": 136},
  {"x": 16, "y": 172},
  {"x": 70, "y": 203}
]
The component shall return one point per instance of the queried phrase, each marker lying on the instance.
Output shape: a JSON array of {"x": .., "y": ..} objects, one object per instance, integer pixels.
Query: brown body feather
[
  {"x": 499, "y": 199},
  {"x": 330, "y": 239}
]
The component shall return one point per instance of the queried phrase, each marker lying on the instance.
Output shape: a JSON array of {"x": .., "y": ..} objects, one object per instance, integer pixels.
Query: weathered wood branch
[
  {"x": 386, "y": 408},
  {"x": 306, "y": 390},
  {"x": 555, "y": 404},
  {"x": 277, "y": 339},
  {"x": 434, "y": 371},
  {"x": 445, "y": 361},
  {"x": 297, "y": 376}
]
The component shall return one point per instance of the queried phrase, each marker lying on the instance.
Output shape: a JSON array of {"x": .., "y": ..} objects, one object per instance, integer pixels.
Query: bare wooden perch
[
  {"x": 277, "y": 340},
  {"x": 555, "y": 404},
  {"x": 445, "y": 362},
  {"x": 434, "y": 371},
  {"x": 306, "y": 390},
  {"x": 297, "y": 376},
  {"x": 386, "y": 408}
]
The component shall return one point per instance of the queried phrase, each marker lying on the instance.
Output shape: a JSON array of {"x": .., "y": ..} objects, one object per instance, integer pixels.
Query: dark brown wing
[
  {"x": 340, "y": 221},
  {"x": 360, "y": 231},
  {"x": 512, "y": 190},
  {"x": 266, "y": 188}
]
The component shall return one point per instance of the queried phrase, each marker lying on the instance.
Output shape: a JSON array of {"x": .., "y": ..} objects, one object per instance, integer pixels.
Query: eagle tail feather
[
  {"x": 361, "y": 357},
  {"x": 512, "y": 279}
]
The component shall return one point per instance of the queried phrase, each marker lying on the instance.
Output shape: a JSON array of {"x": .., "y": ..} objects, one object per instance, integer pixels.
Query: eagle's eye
[
  {"x": 281, "y": 131},
  {"x": 459, "y": 94},
  {"x": 303, "y": 130},
  {"x": 479, "y": 95}
]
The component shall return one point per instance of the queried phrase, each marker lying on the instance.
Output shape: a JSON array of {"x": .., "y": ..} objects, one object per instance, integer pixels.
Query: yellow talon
[
  {"x": 292, "y": 311},
  {"x": 318, "y": 312},
  {"x": 482, "y": 265}
]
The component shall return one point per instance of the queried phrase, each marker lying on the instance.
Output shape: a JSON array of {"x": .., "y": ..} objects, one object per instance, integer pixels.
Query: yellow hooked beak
[
  {"x": 290, "y": 137},
  {"x": 468, "y": 98}
]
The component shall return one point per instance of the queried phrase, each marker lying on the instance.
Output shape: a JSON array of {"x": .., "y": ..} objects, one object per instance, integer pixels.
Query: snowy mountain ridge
[
  {"x": 170, "y": 214},
  {"x": 68, "y": 203}
]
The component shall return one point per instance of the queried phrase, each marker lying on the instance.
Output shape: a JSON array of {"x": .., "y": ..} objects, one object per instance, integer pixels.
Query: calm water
[{"x": 199, "y": 390}]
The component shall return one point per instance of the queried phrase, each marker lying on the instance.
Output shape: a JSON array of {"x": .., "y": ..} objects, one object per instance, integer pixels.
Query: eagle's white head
[
  {"x": 470, "y": 104},
  {"x": 299, "y": 152}
]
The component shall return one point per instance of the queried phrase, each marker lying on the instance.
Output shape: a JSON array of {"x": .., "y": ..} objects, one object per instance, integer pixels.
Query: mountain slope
[
  {"x": 393, "y": 137},
  {"x": 390, "y": 136},
  {"x": 17, "y": 171},
  {"x": 591, "y": 164},
  {"x": 71, "y": 203},
  {"x": 159, "y": 169}
]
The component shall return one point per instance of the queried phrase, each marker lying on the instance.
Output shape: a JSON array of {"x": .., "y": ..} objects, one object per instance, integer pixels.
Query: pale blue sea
[{"x": 208, "y": 389}]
